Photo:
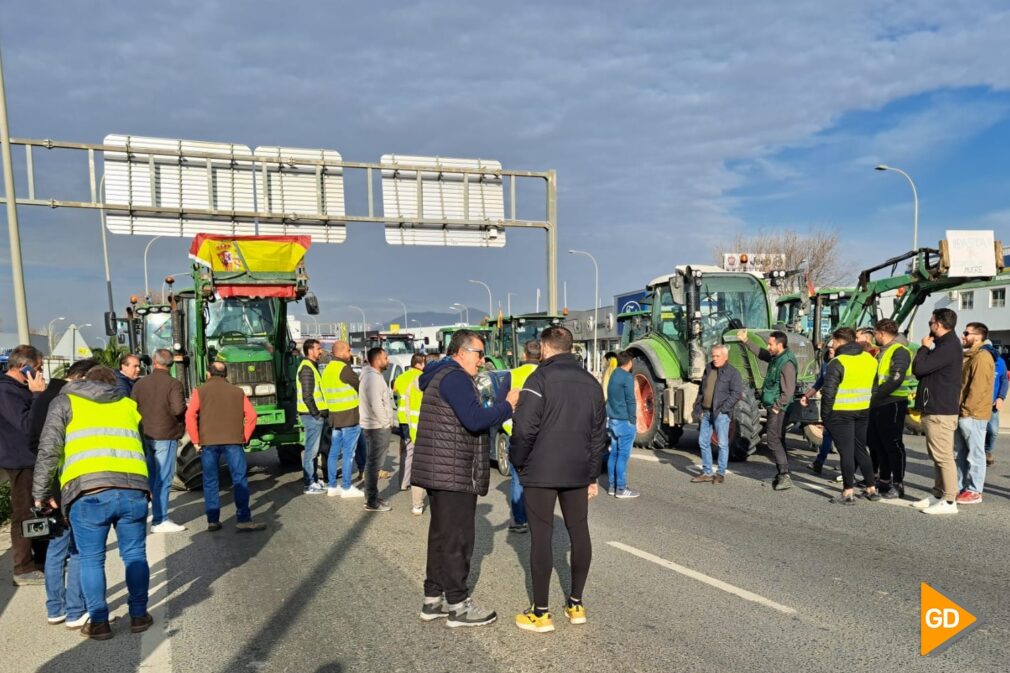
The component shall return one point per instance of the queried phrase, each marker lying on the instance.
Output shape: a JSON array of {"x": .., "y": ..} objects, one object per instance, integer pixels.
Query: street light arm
[
  {"x": 915, "y": 201},
  {"x": 490, "y": 301}
]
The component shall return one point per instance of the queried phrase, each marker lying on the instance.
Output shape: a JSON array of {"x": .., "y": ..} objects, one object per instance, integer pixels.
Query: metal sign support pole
[
  {"x": 14, "y": 234},
  {"x": 552, "y": 242}
]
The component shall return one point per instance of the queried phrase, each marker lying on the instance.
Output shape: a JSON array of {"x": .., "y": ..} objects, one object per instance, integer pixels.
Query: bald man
[{"x": 340, "y": 391}]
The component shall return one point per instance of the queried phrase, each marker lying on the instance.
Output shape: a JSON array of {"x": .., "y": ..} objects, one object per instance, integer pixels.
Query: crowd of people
[{"x": 97, "y": 448}]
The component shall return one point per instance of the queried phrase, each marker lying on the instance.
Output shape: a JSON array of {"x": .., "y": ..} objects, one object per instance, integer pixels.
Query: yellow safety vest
[
  {"x": 102, "y": 438},
  {"x": 338, "y": 395},
  {"x": 905, "y": 388},
  {"x": 317, "y": 388},
  {"x": 400, "y": 385},
  {"x": 414, "y": 398},
  {"x": 856, "y": 388},
  {"x": 519, "y": 376}
]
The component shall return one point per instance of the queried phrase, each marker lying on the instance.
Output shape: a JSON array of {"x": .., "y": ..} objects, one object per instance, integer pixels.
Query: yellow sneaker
[
  {"x": 528, "y": 621},
  {"x": 576, "y": 613}
]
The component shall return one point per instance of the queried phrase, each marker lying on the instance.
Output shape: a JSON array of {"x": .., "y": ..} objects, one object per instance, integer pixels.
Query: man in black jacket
[
  {"x": 558, "y": 440},
  {"x": 721, "y": 389},
  {"x": 20, "y": 387},
  {"x": 452, "y": 461},
  {"x": 937, "y": 365}
]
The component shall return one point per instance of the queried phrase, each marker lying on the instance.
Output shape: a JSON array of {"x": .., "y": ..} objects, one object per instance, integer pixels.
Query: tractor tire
[
  {"x": 502, "y": 442},
  {"x": 290, "y": 455},
  {"x": 188, "y": 467},
  {"x": 913, "y": 423},
  {"x": 745, "y": 428},
  {"x": 651, "y": 433}
]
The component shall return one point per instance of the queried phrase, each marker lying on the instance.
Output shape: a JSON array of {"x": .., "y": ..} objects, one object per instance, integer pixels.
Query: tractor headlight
[
  {"x": 248, "y": 390},
  {"x": 266, "y": 389}
]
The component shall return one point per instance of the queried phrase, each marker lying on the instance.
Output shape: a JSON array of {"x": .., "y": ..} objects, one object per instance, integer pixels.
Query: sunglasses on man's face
[
  {"x": 478, "y": 351},
  {"x": 966, "y": 333}
]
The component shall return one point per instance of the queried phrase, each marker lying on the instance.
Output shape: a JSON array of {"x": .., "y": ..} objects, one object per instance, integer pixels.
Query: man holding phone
[{"x": 19, "y": 388}]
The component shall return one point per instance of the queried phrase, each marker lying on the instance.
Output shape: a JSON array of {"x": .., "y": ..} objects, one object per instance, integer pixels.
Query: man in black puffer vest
[{"x": 451, "y": 461}]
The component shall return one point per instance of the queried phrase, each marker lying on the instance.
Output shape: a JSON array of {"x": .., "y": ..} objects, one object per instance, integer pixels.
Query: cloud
[{"x": 654, "y": 114}]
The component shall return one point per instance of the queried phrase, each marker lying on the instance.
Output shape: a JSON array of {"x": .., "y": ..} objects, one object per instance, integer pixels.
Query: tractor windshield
[
  {"x": 240, "y": 320},
  {"x": 668, "y": 316},
  {"x": 788, "y": 312},
  {"x": 157, "y": 332},
  {"x": 523, "y": 331},
  {"x": 398, "y": 346}
]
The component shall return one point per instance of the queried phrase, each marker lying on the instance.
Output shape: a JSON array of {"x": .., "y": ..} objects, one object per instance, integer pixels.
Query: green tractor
[
  {"x": 235, "y": 313},
  {"x": 444, "y": 336},
  {"x": 509, "y": 337},
  {"x": 693, "y": 309},
  {"x": 816, "y": 315}
]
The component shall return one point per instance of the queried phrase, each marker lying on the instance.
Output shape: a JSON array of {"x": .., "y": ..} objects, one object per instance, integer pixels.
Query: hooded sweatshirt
[
  {"x": 1001, "y": 384},
  {"x": 375, "y": 404},
  {"x": 53, "y": 440}
]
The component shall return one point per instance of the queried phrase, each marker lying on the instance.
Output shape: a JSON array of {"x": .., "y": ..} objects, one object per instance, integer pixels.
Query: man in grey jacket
[
  {"x": 376, "y": 408},
  {"x": 721, "y": 389}
]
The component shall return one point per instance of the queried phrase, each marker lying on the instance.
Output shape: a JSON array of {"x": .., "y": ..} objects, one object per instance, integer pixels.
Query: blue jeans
[
  {"x": 234, "y": 456},
  {"x": 825, "y": 451},
  {"x": 63, "y": 595},
  {"x": 969, "y": 454},
  {"x": 622, "y": 436},
  {"x": 343, "y": 449},
  {"x": 92, "y": 515},
  {"x": 160, "y": 470},
  {"x": 313, "y": 432},
  {"x": 992, "y": 431},
  {"x": 705, "y": 441},
  {"x": 516, "y": 497}
]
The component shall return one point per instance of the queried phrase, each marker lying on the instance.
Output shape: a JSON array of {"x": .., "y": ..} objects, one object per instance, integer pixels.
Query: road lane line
[
  {"x": 155, "y": 645},
  {"x": 701, "y": 577}
]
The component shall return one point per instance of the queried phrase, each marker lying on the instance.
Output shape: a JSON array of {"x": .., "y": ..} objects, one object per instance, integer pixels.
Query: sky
[{"x": 673, "y": 126}]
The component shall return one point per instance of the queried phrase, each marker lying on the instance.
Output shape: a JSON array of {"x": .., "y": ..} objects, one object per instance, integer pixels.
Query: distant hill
[{"x": 429, "y": 318}]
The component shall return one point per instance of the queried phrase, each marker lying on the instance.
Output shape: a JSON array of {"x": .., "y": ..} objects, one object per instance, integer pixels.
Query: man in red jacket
[{"x": 220, "y": 420}]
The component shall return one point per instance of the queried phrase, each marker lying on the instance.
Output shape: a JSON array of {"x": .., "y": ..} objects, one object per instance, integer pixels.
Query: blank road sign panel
[
  {"x": 135, "y": 178},
  {"x": 470, "y": 217},
  {"x": 293, "y": 187}
]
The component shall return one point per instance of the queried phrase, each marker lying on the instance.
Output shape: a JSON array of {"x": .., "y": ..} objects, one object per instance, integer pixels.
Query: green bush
[{"x": 5, "y": 502}]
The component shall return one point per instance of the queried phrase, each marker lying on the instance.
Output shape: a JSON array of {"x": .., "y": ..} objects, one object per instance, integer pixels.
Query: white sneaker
[
  {"x": 77, "y": 623},
  {"x": 167, "y": 526},
  {"x": 417, "y": 511},
  {"x": 334, "y": 491},
  {"x": 942, "y": 507},
  {"x": 928, "y": 501},
  {"x": 352, "y": 492},
  {"x": 57, "y": 620}
]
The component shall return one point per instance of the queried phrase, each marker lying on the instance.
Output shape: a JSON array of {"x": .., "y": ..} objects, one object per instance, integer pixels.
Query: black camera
[{"x": 45, "y": 523}]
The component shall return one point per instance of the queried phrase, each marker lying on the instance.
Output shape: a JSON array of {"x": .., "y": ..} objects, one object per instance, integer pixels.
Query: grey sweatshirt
[{"x": 375, "y": 401}]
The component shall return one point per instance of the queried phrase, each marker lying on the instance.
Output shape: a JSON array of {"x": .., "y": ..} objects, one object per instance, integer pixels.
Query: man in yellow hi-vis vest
[
  {"x": 92, "y": 436},
  {"x": 518, "y": 376},
  {"x": 312, "y": 412},
  {"x": 414, "y": 398},
  {"x": 340, "y": 391},
  {"x": 888, "y": 408},
  {"x": 401, "y": 386},
  {"x": 849, "y": 381}
]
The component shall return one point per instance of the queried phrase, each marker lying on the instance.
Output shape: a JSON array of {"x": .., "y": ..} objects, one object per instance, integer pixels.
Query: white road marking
[
  {"x": 155, "y": 645},
  {"x": 701, "y": 577}
]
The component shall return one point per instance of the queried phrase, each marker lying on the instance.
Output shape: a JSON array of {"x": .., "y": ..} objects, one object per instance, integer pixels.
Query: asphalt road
[{"x": 688, "y": 577}]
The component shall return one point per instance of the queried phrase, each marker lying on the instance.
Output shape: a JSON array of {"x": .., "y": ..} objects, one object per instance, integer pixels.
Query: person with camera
[
  {"x": 20, "y": 387},
  {"x": 92, "y": 438},
  {"x": 64, "y": 597}
]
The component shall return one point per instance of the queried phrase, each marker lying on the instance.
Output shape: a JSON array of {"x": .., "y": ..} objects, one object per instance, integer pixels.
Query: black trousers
[
  {"x": 378, "y": 442},
  {"x": 775, "y": 437},
  {"x": 21, "y": 509},
  {"x": 540, "y": 511},
  {"x": 886, "y": 439},
  {"x": 849, "y": 435},
  {"x": 450, "y": 544}
]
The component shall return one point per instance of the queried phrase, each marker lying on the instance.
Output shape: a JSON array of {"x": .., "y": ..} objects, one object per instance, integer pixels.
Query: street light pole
[
  {"x": 508, "y": 301},
  {"x": 915, "y": 202},
  {"x": 105, "y": 243},
  {"x": 147, "y": 290},
  {"x": 490, "y": 302},
  {"x": 49, "y": 331},
  {"x": 462, "y": 307},
  {"x": 596, "y": 302},
  {"x": 364, "y": 323},
  {"x": 406, "y": 323},
  {"x": 13, "y": 232}
]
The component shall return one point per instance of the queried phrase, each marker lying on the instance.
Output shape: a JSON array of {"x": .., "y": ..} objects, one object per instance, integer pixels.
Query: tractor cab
[
  {"x": 511, "y": 336},
  {"x": 444, "y": 336},
  {"x": 815, "y": 316}
]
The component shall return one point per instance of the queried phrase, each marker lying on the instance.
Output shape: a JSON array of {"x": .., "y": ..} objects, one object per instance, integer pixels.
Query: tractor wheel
[
  {"x": 814, "y": 434},
  {"x": 290, "y": 455},
  {"x": 502, "y": 442},
  {"x": 913, "y": 423},
  {"x": 188, "y": 468},
  {"x": 648, "y": 408},
  {"x": 745, "y": 428}
]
